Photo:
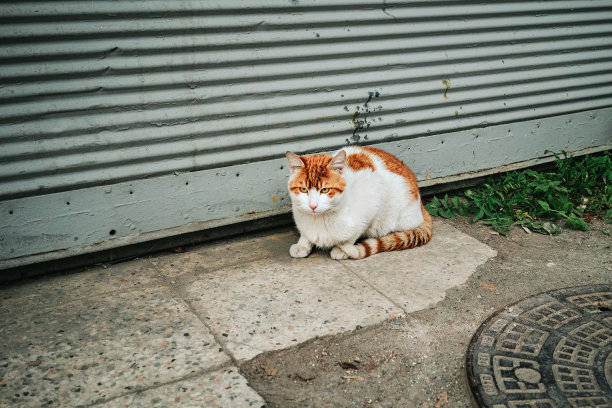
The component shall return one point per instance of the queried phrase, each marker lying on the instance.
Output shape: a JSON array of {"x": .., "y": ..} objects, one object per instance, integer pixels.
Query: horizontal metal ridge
[
  {"x": 126, "y": 171},
  {"x": 122, "y": 61},
  {"x": 276, "y": 113},
  {"x": 270, "y": 118},
  {"x": 104, "y": 100},
  {"x": 103, "y": 10},
  {"x": 306, "y": 32},
  {"x": 217, "y": 74},
  {"x": 91, "y": 168},
  {"x": 99, "y": 92},
  {"x": 126, "y": 46}
]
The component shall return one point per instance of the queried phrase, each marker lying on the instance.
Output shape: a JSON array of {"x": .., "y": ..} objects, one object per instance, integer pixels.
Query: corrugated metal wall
[{"x": 110, "y": 109}]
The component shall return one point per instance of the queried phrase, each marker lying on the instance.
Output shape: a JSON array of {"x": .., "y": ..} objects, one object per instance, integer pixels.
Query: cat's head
[{"x": 316, "y": 183}]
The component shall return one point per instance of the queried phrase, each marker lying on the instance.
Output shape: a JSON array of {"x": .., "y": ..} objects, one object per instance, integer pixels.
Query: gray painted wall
[{"x": 122, "y": 122}]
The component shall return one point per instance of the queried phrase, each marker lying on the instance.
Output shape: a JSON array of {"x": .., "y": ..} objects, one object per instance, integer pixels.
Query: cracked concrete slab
[
  {"x": 50, "y": 291},
  {"x": 419, "y": 278},
  {"x": 218, "y": 389},
  {"x": 280, "y": 302},
  {"x": 101, "y": 347},
  {"x": 177, "y": 325},
  {"x": 273, "y": 304},
  {"x": 215, "y": 255}
]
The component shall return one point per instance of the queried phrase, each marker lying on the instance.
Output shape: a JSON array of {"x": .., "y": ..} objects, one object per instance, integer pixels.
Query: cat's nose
[{"x": 313, "y": 206}]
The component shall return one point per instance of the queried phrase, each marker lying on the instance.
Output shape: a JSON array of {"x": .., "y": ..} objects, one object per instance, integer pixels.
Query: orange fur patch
[
  {"x": 360, "y": 161},
  {"x": 399, "y": 240},
  {"x": 317, "y": 174},
  {"x": 393, "y": 164}
]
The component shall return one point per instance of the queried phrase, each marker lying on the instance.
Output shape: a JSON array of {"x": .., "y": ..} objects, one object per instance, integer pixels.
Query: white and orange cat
[{"x": 360, "y": 192}]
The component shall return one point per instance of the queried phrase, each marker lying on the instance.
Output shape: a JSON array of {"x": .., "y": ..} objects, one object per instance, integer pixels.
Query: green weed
[{"x": 578, "y": 189}]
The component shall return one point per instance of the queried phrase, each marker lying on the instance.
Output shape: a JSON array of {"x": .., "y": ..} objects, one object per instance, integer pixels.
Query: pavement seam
[
  {"x": 218, "y": 339},
  {"x": 156, "y": 282},
  {"x": 212, "y": 369},
  {"x": 179, "y": 296},
  {"x": 176, "y": 292},
  {"x": 46, "y": 309},
  {"x": 361, "y": 278},
  {"x": 164, "y": 281}
]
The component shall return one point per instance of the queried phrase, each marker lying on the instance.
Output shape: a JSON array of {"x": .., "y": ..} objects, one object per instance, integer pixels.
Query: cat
[{"x": 359, "y": 192}]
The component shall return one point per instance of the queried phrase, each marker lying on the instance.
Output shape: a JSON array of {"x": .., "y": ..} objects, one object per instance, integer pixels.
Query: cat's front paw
[
  {"x": 298, "y": 251},
  {"x": 338, "y": 254},
  {"x": 345, "y": 252}
]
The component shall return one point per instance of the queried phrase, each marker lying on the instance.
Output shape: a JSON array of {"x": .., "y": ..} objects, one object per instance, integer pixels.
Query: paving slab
[
  {"x": 419, "y": 278},
  {"x": 225, "y": 253},
  {"x": 419, "y": 361},
  {"x": 102, "y": 347},
  {"x": 278, "y": 303},
  {"x": 162, "y": 331},
  {"x": 218, "y": 389},
  {"x": 34, "y": 295}
]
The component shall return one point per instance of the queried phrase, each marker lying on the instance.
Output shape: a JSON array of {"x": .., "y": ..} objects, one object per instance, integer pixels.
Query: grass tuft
[{"x": 578, "y": 190}]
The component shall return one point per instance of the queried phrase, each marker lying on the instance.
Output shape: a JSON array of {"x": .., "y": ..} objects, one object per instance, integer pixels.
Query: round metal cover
[{"x": 552, "y": 350}]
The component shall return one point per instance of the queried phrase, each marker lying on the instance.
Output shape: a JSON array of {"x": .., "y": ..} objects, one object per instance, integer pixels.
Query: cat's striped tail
[{"x": 399, "y": 240}]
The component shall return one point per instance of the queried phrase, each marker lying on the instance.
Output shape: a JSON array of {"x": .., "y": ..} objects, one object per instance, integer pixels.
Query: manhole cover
[{"x": 553, "y": 350}]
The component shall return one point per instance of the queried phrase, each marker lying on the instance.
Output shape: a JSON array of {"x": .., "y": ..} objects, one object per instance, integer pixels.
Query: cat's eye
[
  {"x": 303, "y": 190},
  {"x": 324, "y": 190}
]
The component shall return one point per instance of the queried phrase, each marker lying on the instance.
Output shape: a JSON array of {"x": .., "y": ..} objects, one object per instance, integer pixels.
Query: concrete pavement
[{"x": 174, "y": 329}]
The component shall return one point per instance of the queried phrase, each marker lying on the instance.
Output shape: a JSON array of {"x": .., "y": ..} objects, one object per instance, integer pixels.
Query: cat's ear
[
  {"x": 295, "y": 162},
  {"x": 338, "y": 161}
]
